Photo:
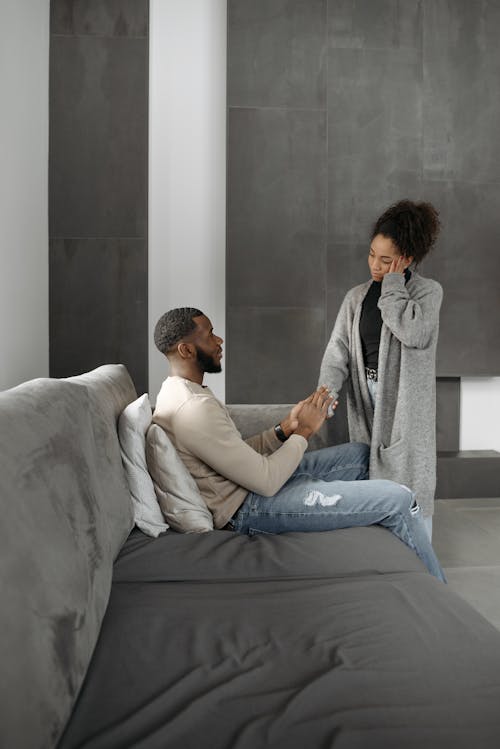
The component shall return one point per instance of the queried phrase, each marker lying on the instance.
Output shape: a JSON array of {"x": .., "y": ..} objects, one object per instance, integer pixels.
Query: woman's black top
[{"x": 370, "y": 323}]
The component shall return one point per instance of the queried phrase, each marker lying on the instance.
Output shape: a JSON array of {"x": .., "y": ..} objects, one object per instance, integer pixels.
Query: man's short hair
[{"x": 173, "y": 326}]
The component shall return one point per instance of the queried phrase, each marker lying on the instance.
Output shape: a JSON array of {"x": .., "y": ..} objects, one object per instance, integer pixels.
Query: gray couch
[{"x": 111, "y": 639}]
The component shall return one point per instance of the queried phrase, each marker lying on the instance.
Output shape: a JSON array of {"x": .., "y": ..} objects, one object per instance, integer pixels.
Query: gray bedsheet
[{"x": 318, "y": 640}]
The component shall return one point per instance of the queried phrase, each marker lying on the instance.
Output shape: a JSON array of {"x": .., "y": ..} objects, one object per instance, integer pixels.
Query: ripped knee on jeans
[
  {"x": 315, "y": 497},
  {"x": 414, "y": 507}
]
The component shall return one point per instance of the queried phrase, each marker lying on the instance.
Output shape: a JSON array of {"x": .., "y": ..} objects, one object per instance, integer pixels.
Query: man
[{"x": 266, "y": 483}]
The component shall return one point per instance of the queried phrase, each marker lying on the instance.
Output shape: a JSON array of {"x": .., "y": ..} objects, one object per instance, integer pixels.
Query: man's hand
[
  {"x": 291, "y": 422},
  {"x": 313, "y": 412},
  {"x": 308, "y": 415}
]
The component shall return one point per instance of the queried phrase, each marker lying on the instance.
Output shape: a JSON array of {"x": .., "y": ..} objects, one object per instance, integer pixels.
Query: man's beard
[{"x": 207, "y": 362}]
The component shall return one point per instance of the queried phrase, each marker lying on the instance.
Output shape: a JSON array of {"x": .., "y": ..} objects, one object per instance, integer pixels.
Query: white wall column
[
  {"x": 24, "y": 126},
  {"x": 187, "y": 167},
  {"x": 480, "y": 413}
]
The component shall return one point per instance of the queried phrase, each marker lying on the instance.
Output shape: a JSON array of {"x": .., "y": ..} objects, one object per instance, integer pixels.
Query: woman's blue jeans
[{"x": 328, "y": 491}]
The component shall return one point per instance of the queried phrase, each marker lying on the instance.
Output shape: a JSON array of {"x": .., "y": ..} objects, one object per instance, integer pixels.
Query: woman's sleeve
[
  {"x": 412, "y": 320},
  {"x": 334, "y": 368}
]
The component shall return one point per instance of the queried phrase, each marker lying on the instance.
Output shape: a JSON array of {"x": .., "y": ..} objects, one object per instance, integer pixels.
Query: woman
[{"x": 384, "y": 345}]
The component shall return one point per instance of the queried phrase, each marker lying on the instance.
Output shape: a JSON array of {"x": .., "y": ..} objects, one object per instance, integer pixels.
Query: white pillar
[
  {"x": 480, "y": 413},
  {"x": 24, "y": 126},
  {"x": 187, "y": 167}
]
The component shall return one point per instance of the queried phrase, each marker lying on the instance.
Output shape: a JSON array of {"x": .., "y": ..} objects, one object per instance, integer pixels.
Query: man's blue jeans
[{"x": 328, "y": 491}]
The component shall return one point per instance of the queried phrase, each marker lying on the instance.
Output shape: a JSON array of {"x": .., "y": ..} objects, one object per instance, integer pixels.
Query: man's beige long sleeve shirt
[{"x": 225, "y": 467}]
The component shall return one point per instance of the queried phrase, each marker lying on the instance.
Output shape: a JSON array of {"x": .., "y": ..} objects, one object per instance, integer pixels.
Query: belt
[{"x": 371, "y": 374}]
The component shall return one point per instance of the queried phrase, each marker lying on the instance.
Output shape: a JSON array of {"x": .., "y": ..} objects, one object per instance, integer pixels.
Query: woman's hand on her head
[{"x": 398, "y": 264}]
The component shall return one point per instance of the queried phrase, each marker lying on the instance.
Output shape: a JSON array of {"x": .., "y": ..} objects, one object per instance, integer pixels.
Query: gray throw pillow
[
  {"x": 182, "y": 505},
  {"x": 133, "y": 424}
]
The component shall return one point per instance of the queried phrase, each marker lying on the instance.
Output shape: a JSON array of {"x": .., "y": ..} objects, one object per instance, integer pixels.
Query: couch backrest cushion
[
  {"x": 65, "y": 512},
  {"x": 253, "y": 418}
]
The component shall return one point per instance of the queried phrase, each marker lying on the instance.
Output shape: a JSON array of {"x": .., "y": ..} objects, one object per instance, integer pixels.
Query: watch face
[{"x": 280, "y": 434}]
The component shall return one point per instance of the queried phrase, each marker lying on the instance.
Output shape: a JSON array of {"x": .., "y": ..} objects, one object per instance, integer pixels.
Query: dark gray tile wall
[
  {"x": 277, "y": 53},
  {"x": 448, "y": 414},
  {"x": 274, "y": 351},
  {"x": 277, "y": 198},
  {"x": 277, "y": 178},
  {"x": 335, "y": 110},
  {"x": 465, "y": 263},
  {"x": 98, "y": 186},
  {"x": 98, "y": 304}
]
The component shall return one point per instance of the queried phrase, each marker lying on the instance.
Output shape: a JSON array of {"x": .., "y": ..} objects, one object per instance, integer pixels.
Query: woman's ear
[{"x": 408, "y": 261}]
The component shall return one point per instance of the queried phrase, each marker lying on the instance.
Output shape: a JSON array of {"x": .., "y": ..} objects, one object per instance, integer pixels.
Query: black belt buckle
[{"x": 371, "y": 374}]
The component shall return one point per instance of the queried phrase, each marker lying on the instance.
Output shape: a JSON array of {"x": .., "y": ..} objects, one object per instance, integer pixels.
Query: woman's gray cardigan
[{"x": 402, "y": 431}]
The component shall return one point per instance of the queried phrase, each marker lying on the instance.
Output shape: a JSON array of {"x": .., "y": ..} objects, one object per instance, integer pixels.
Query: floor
[{"x": 466, "y": 537}]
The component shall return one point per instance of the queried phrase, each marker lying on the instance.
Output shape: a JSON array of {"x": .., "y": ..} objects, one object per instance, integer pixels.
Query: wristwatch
[{"x": 280, "y": 434}]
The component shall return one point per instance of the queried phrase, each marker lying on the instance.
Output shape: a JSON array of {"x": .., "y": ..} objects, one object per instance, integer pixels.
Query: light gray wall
[
  {"x": 187, "y": 152},
  {"x": 336, "y": 108},
  {"x": 98, "y": 186},
  {"x": 24, "y": 80}
]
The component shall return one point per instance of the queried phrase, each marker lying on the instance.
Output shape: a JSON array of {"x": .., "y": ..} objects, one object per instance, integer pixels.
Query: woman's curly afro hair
[{"x": 413, "y": 227}]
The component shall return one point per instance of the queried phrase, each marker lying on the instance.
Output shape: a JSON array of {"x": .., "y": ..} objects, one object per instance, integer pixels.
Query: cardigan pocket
[{"x": 392, "y": 453}]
